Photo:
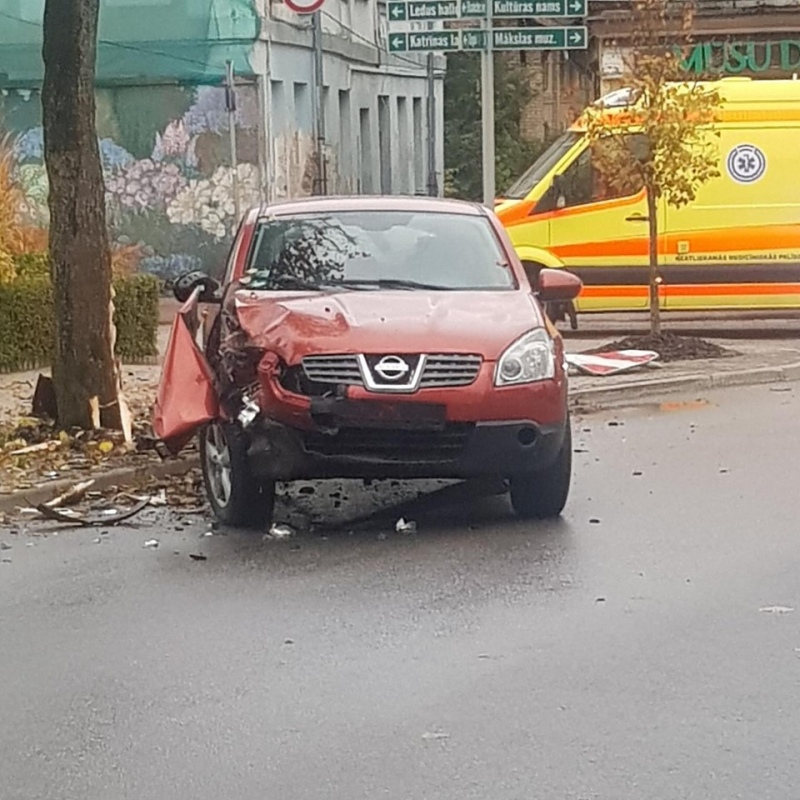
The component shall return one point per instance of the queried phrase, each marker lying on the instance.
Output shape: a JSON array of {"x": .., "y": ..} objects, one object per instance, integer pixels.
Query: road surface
[{"x": 644, "y": 647}]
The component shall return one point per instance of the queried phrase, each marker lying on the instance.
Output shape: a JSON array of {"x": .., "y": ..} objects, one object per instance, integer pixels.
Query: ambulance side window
[{"x": 583, "y": 183}]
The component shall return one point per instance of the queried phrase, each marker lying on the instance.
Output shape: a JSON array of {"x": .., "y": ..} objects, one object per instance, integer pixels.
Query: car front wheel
[
  {"x": 542, "y": 494},
  {"x": 236, "y": 497}
]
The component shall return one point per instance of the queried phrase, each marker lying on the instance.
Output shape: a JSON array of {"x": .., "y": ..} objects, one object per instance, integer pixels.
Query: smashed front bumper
[{"x": 372, "y": 450}]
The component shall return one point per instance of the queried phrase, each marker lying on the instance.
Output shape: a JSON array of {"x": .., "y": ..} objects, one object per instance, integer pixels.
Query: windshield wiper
[{"x": 393, "y": 283}]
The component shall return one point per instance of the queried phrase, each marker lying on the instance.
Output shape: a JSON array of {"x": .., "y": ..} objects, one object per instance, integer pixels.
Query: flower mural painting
[
  {"x": 176, "y": 145},
  {"x": 145, "y": 185},
  {"x": 209, "y": 203},
  {"x": 177, "y": 205}
]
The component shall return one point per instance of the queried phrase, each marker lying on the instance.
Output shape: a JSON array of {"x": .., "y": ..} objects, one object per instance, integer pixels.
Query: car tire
[
  {"x": 236, "y": 497},
  {"x": 543, "y": 494}
]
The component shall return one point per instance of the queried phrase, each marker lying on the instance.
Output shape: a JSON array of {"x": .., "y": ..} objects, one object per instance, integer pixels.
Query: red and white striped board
[{"x": 610, "y": 363}]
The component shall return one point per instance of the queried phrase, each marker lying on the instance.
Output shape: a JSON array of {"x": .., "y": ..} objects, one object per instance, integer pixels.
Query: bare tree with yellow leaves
[{"x": 660, "y": 138}]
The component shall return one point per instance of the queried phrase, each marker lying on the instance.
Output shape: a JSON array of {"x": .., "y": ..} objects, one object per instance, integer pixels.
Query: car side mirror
[
  {"x": 557, "y": 285},
  {"x": 184, "y": 287}
]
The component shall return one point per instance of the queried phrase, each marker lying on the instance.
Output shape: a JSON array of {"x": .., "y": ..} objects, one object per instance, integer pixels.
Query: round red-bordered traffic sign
[{"x": 304, "y": 6}]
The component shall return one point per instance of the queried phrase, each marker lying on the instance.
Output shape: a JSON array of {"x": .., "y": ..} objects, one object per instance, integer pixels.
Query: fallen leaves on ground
[{"x": 34, "y": 453}]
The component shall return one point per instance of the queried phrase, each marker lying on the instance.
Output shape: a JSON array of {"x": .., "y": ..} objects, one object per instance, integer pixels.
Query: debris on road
[
  {"x": 433, "y": 736},
  {"x": 779, "y": 610},
  {"x": 610, "y": 362},
  {"x": 280, "y": 532},
  {"x": 198, "y": 557},
  {"x": 151, "y": 544},
  {"x": 105, "y": 517},
  {"x": 404, "y": 526},
  {"x": 35, "y": 448},
  {"x": 72, "y": 496}
]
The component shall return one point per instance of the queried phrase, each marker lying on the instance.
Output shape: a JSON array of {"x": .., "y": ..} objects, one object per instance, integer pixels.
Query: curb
[
  {"x": 633, "y": 393},
  {"x": 583, "y": 400},
  {"x": 116, "y": 477}
]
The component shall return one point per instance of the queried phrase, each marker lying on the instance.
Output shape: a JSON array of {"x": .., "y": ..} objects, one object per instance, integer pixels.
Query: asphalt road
[{"x": 620, "y": 653}]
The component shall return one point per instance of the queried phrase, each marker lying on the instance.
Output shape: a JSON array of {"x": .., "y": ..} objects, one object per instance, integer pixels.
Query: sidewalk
[{"x": 757, "y": 362}]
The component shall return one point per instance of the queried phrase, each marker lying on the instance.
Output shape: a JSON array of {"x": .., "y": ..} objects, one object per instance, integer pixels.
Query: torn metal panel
[{"x": 186, "y": 396}]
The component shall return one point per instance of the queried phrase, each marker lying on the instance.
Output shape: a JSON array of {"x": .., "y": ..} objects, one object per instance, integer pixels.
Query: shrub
[{"x": 27, "y": 317}]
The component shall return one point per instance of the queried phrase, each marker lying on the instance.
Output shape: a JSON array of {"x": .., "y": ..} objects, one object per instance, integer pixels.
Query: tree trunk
[
  {"x": 654, "y": 280},
  {"x": 84, "y": 369}
]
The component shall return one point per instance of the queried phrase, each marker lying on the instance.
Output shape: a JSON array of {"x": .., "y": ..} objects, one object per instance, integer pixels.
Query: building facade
[
  {"x": 745, "y": 38},
  {"x": 326, "y": 112},
  {"x": 753, "y": 38}
]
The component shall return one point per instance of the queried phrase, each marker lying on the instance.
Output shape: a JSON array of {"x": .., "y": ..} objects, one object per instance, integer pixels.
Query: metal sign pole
[
  {"x": 487, "y": 113},
  {"x": 230, "y": 101},
  {"x": 433, "y": 188},
  {"x": 321, "y": 181}
]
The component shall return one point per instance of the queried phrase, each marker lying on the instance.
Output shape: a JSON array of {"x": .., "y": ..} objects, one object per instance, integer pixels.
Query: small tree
[
  {"x": 85, "y": 376},
  {"x": 667, "y": 118}
]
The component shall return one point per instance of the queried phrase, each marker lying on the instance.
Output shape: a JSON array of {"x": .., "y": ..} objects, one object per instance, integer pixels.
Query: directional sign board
[
  {"x": 423, "y": 10},
  {"x": 573, "y": 38},
  {"x": 525, "y": 9},
  {"x": 424, "y": 42}
]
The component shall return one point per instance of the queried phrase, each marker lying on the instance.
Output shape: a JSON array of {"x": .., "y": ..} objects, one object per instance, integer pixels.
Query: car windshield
[
  {"x": 368, "y": 250},
  {"x": 542, "y": 166}
]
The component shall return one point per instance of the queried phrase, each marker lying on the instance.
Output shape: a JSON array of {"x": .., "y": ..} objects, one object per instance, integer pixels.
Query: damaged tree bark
[{"x": 85, "y": 375}]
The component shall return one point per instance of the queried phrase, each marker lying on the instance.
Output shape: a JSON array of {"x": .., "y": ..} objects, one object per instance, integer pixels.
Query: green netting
[{"x": 140, "y": 41}]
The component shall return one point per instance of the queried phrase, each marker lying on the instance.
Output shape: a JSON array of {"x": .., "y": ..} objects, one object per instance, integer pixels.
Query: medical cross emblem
[{"x": 746, "y": 163}]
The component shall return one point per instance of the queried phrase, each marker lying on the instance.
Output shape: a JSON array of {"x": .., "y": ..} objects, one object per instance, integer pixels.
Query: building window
[
  {"x": 345, "y": 138},
  {"x": 278, "y": 107},
  {"x": 365, "y": 152},
  {"x": 404, "y": 157},
  {"x": 302, "y": 107},
  {"x": 385, "y": 143},
  {"x": 419, "y": 152}
]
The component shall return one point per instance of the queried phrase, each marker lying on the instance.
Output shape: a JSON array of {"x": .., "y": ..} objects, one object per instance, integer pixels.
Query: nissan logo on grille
[
  {"x": 392, "y": 368},
  {"x": 391, "y": 373}
]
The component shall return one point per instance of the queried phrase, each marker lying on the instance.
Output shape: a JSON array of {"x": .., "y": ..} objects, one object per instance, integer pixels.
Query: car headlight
[{"x": 531, "y": 358}]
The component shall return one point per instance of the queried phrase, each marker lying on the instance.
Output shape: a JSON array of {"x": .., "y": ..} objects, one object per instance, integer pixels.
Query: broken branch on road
[{"x": 79, "y": 520}]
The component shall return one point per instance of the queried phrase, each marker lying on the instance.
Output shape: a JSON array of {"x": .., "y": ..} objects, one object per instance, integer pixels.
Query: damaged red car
[{"x": 369, "y": 338}]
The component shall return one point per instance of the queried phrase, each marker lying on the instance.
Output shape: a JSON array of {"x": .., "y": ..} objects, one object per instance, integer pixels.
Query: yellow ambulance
[{"x": 737, "y": 246}]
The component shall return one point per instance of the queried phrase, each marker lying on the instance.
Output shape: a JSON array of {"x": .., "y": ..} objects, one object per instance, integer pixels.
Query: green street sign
[
  {"x": 526, "y": 9},
  {"x": 424, "y": 42},
  {"x": 473, "y": 40},
  {"x": 575, "y": 38},
  {"x": 422, "y": 10},
  {"x": 397, "y": 12}
]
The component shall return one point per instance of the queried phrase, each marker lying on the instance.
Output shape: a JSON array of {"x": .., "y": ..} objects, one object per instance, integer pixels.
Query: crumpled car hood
[{"x": 294, "y": 325}]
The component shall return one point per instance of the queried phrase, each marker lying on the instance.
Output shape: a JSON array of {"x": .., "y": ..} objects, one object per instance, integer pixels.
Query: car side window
[{"x": 584, "y": 182}]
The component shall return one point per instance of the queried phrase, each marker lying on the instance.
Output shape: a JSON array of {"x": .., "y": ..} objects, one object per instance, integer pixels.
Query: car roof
[{"x": 420, "y": 205}]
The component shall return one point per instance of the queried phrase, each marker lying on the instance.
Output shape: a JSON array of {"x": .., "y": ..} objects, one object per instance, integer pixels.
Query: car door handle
[{"x": 637, "y": 218}]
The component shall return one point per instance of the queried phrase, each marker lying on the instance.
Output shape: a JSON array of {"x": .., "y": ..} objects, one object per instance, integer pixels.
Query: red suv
[{"x": 370, "y": 338}]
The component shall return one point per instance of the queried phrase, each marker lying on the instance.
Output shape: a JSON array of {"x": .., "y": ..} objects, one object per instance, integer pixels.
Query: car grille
[
  {"x": 333, "y": 369},
  {"x": 440, "y": 370},
  {"x": 444, "y": 370},
  {"x": 393, "y": 445}
]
